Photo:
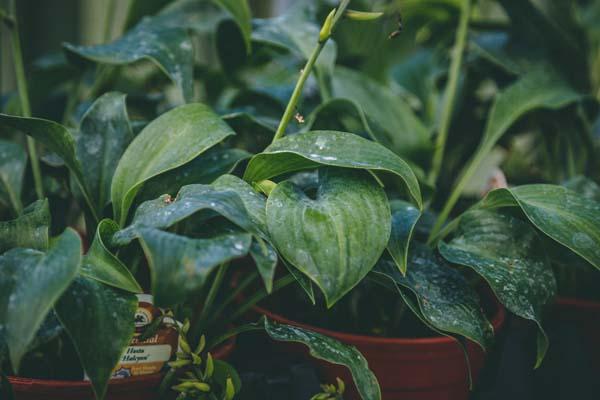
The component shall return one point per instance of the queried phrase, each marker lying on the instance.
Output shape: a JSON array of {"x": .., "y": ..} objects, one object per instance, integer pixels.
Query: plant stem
[
  {"x": 24, "y": 98},
  {"x": 110, "y": 16},
  {"x": 450, "y": 94},
  {"x": 235, "y": 294},
  {"x": 305, "y": 73},
  {"x": 258, "y": 296},
  {"x": 210, "y": 298}
]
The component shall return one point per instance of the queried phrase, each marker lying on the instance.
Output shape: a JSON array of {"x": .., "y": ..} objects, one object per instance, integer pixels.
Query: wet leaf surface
[
  {"x": 336, "y": 237},
  {"x": 508, "y": 253},
  {"x": 404, "y": 218}
]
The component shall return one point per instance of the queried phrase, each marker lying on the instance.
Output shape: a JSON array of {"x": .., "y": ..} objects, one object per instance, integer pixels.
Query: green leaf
[
  {"x": 337, "y": 237},
  {"x": 179, "y": 265},
  {"x": 13, "y": 160},
  {"x": 56, "y": 138},
  {"x": 339, "y": 149},
  {"x": 392, "y": 121},
  {"x": 585, "y": 187},
  {"x": 100, "y": 321},
  {"x": 404, "y": 218},
  {"x": 170, "y": 141},
  {"x": 223, "y": 371},
  {"x": 104, "y": 135},
  {"x": 205, "y": 200},
  {"x": 570, "y": 219},
  {"x": 330, "y": 350},
  {"x": 510, "y": 256},
  {"x": 165, "y": 41},
  {"x": 265, "y": 257},
  {"x": 446, "y": 301},
  {"x": 30, "y": 283},
  {"x": 100, "y": 264},
  {"x": 296, "y": 31},
  {"x": 203, "y": 169},
  {"x": 30, "y": 230}
]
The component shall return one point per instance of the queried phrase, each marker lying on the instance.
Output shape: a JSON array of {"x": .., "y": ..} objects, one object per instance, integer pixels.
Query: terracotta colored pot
[
  {"x": 585, "y": 315},
  {"x": 134, "y": 388},
  {"x": 407, "y": 369}
]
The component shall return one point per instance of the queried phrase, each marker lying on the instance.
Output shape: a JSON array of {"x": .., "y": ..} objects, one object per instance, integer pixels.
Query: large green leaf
[
  {"x": 339, "y": 149},
  {"x": 567, "y": 217},
  {"x": 330, "y": 350},
  {"x": 30, "y": 230},
  {"x": 100, "y": 264},
  {"x": 13, "y": 160},
  {"x": 170, "y": 141},
  {"x": 445, "y": 299},
  {"x": 392, "y": 120},
  {"x": 179, "y": 265},
  {"x": 56, "y": 138},
  {"x": 296, "y": 31},
  {"x": 30, "y": 283},
  {"x": 336, "y": 237},
  {"x": 510, "y": 256},
  {"x": 104, "y": 135},
  {"x": 100, "y": 321},
  {"x": 203, "y": 169},
  {"x": 404, "y": 218},
  {"x": 205, "y": 200},
  {"x": 164, "y": 39}
]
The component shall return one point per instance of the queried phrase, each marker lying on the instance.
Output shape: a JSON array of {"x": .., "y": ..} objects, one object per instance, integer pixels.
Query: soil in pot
[{"x": 410, "y": 361}]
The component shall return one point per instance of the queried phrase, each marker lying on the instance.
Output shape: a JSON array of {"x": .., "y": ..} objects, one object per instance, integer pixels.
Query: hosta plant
[{"x": 154, "y": 200}]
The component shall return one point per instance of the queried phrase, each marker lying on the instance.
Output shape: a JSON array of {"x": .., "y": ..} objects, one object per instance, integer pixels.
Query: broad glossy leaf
[
  {"x": 203, "y": 169},
  {"x": 296, "y": 31},
  {"x": 13, "y": 160},
  {"x": 54, "y": 136},
  {"x": 179, "y": 265},
  {"x": 445, "y": 299},
  {"x": 164, "y": 212},
  {"x": 338, "y": 149},
  {"x": 49, "y": 330},
  {"x": 404, "y": 218},
  {"x": 104, "y": 134},
  {"x": 254, "y": 202},
  {"x": 567, "y": 217},
  {"x": 31, "y": 282},
  {"x": 510, "y": 256},
  {"x": 330, "y": 350},
  {"x": 99, "y": 320},
  {"x": 338, "y": 236},
  {"x": 265, "y": 257},
  {"x": 100, "y": 264},
  {"x": 393, "y": 122},
  {"x": 170, "y": 141},
  {"x": 30, "y": 230}
]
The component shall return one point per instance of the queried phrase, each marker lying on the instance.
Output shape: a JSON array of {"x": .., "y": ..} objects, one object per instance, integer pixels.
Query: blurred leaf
[
  {"x": 404, "y": 218},
  {"x": 179, "y": 266},
  {"x": 510, "y": 256},
  {"x": 330, "y": 350},
  {"x": 170, "y": 141},
  {"x": 585, "y": 187},
  {"x": 336, "y": 237},
  {"x": 339, "y": 149},
  {"x": 104, "y": 135},
  {"x": 31, "y": 282},
  {"x": 296, "y": 31},
  {"x": 13, "y": 160},
  {"x": 394, "y": 123},
  {"x": 100, "y": 264},
  {"x": 100, "y": 321},
  {"x": 30, "y": 230}
]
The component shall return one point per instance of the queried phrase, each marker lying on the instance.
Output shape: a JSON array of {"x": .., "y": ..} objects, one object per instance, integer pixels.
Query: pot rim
[
  {"x": 497, "y": 322},
  {"x": 574, "y": 301},
  {"x": 221, "y": 351}
]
